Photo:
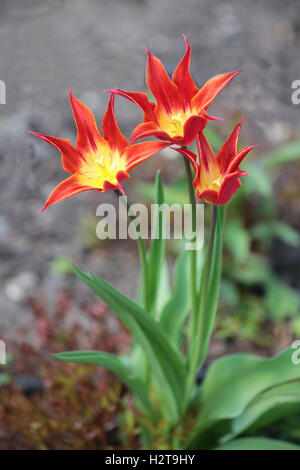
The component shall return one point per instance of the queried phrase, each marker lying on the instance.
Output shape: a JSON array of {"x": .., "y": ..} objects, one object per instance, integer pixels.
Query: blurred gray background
[{"x": 50, "y": 46}]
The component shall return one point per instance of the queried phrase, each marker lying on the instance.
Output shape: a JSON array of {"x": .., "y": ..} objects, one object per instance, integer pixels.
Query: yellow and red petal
[
  {"x": 191, "y": 128},
  {"x": 120, "y": 176},
  {"x": 137, "y": 153},
  {"x": 229, "y": 149},
  {"x": 88, "y": 135},
  {"x": 111, "y": 131},
  {"x": 229, "y": 186},
  {"x": 69, "y": 187},
  {"x": 161, "y": 86},
  {"x": 235, "y": 162},
  {"x": 71, "y": 157},
  {"x": 193, "y": 125},
  {"x": 140, "y": 99},
  {"x": 207, "y": 160},
  {"x": 208, "y": 195},
  {"x": 147, "y": 129},
  {"x": 183, "y": 79},
  {"x": 211, "y": 89}
]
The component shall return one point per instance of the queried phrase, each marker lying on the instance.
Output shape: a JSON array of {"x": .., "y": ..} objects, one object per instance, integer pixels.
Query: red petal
[
  {"x": 147, "y": 129},
  {"x": 111, "y": 129},
  {"x": 206, "y": 154},
  {"x": 140, "y": 99},
  {"x": 137, "y": 153},
  {"x": 161, "y": 86},
  {"x": 182, "y": 77},
  {"x": 234, "y": 165},
  {"x": 193, "y": 125},
  {"x": 71, "y": 158},
  {"x": 211, "y": 89},
  {"x": 229, "y": 186},
  {"x": 73, "y": 185},
  {"x": 209, "y": 195},
  {"x": 88, "y": 134},
  {"x": 228, "y": 151}
]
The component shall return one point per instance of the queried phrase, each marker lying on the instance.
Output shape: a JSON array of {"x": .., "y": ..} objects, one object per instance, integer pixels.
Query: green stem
[
  {"x": 143, "y": 257},
  {"x": 211, "y": 284},
  {"x": 209, "y": 255},
  {"x": 195, "y": 344},
  {"x": 193, "y": 254}
]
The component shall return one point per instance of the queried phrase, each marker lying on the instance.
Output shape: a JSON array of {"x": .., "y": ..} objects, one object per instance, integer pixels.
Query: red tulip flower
[
  {"x": 217, "y": 177},
  {"x": 96, "y": 162},
  {"x": 180, "y": 109}
]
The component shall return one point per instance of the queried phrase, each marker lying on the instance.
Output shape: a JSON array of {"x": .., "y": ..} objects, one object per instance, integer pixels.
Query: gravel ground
[{"x": 88, "y": 45}]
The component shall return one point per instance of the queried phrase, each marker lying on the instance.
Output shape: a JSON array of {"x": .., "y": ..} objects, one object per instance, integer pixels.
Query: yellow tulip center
[
  {"x": 176, "y": 123},
  {"x": 103, "y": 165},
  {"x": 215, "y": 184},
  {"x": 172, "y": 123}
]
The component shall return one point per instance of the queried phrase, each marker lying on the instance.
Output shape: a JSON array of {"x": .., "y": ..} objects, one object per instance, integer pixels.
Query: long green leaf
[
  {"x": 289, "y": 152},
  {"x": 258, "y": 443},
  {"x": 112, "y": 363},
  {"x": 262, "y": 404},
  {"x": 234, "y": 381},
  {"x": 164, "y": 361}
]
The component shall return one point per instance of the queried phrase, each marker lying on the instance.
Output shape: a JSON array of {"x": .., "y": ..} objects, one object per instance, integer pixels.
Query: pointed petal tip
[
  {"x": 34, "y": 133},
  {"x": 214, "y": 118},
  {"x": 244, "y": 173},
  {"x": 251, "y": 147},
  {"x": 115, "y": 90},
  {"x": 186, "y": 40},
  {"x": 72, "y": 97},
  {"x": 40, "y": 136},
  {"x": 236, "y": 72}
]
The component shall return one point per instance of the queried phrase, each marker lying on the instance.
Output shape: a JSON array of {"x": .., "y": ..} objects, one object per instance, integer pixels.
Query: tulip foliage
[{"x": 171, "y": 333}]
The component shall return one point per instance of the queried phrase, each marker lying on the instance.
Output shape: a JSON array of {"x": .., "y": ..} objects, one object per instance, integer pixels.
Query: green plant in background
[
  {"x": 250, "y": 288},
  {"x": 250, "y": 268},
  {"x": 171, "y": 329}
]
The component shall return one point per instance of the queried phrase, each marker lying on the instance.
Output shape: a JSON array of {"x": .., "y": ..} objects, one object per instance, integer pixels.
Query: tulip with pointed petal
[
  {"x": 180, "y": 109},
  {"x": 217, "y": 177},
  {"x": 96, "y": 162}
]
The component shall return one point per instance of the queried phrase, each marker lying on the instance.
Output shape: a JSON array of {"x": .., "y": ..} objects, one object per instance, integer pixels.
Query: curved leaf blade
[
  {"x": 112, "y": 363},
  {"x": 164, "y": 360},
  {"x": 233, "y": 382},
  {"x": 258, "y": 443}
]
